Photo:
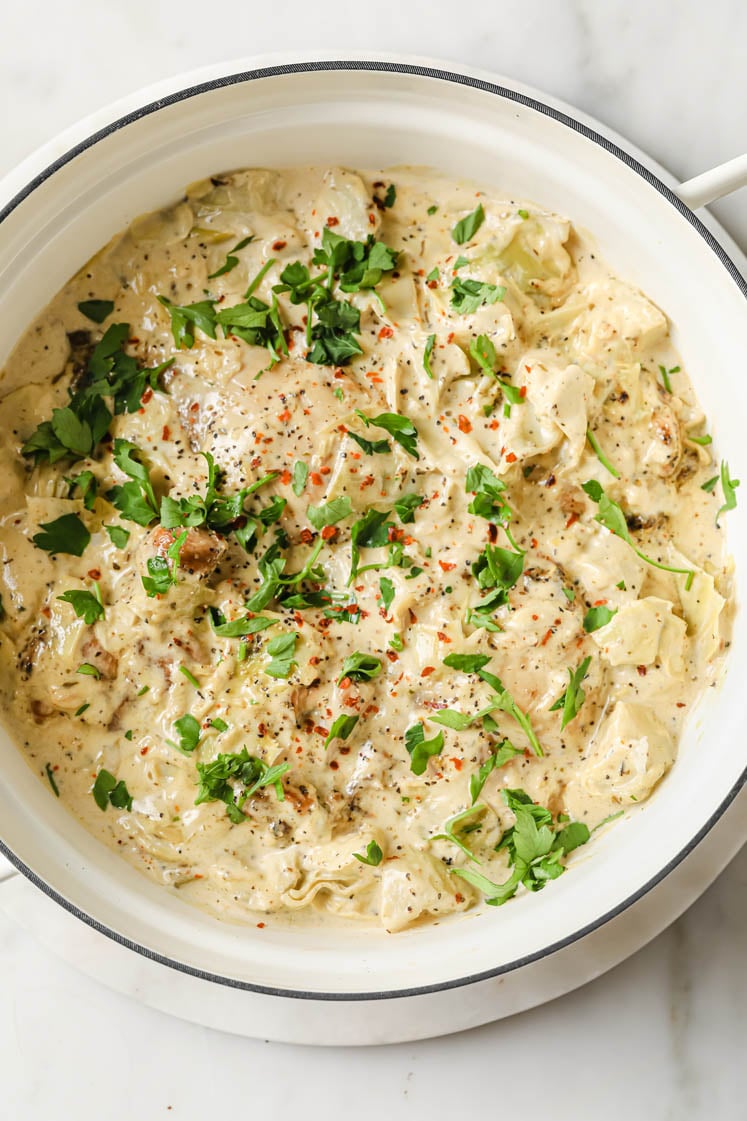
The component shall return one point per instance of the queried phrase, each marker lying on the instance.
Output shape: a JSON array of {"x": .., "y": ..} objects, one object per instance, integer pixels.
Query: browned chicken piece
[
  {"x": 200, "y": 553},
  {"x": 95, "y": 654}
]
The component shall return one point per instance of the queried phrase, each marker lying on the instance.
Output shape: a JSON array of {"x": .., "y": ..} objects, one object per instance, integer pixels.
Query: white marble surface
[{"x": 661, "y": 1037}]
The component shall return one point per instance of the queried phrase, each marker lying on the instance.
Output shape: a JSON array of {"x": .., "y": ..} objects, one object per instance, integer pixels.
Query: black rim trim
[{"x": 726, "y": 261}]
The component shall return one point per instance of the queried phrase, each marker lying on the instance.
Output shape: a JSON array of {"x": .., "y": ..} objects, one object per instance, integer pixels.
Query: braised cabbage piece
[{"x": 362, "y": 546}]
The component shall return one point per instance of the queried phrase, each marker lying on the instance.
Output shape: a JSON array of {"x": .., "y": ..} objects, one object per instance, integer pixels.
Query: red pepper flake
[
  {"x": 368, "y": 482},
  {"x": 599, "y": 602},
  {"x": 329, "y": 532},
  {"x": 450, "y": 337},
  {"x": 334, "y": 765},
  {"x": 285, "y": 478},
  {"x": 165, "y": 432},
  {"x": 332, "y": 221},
  {"x": 458, "y": 763},
  {"x": 284, "y": 416},
  {"x": 510, "y": 458},
  {"x": 523, "y": 391},
  {"x": 442, "y": 637},
  {"x": 548, "y": 636},
  {"x": 194, "y": 407},
  {"x": 314, "y": 660},
  {"x": 325, "y": 470},
  {"x": 94, "y": 573},
  {"x": 260, "y": 926},
  {"x": 372, "y": 219},
  {"x": 427, "y": 671},
  {"x": 144, "y": 750},
  {"x": 392, "y": 656},
  {"x": 320, "y": 731},
  {"x": 345, "y": 683},
  {"x": 386, "y": 333},
  {"x": 446, "y": 566},
  {"x": 573, "y": 518},
  {"x": 459, "y": 898},
  {"x": 256, "y": 461},
  {"x": 395, "y": 534},
  {"x": 534, "y": 542},
  {"x": 278, "y": 245},
  {"x": 465, "y": 425},
  {"x": 535, "y": 618},
  {"x": 641, "y": 671},
  {"x": 431, "y": 284},
  {"x": 494, "y": 425},
  {"x": 307, "y": 536},
  {"x": 146, "y": 396},
  {"x": 316, "y": 478},
  {"x": 681, "y": 704}
]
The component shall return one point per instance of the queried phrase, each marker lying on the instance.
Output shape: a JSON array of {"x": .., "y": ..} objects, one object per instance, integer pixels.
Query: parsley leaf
[
  {"x": 494, "y": 762},
  {"x": 574, "y": 696},
  {"x": 455, "y": 828},
  {"x": 300, "y": 475},
  {"x": 341, "y": 728},
  {"x": 231, "y": 262},
  {"x": 85, "y": 605},
  {"x": 371, "y": 447},
  {"x": 87, "y": 485},
  {"x": 386, "y": 587},
  {"x": 399, "y": 427},
  {"x": 420, "y": 749},
  {"x": 467, "y": 227},
  {"x": 535, "y": 849},
  {"x": 728, "y": 487},
  {"x": 360, "y": 667},
  {"x": 467, "y": 663},
  {"x": 188, "y": 730},
  {"x": 468, "y": 295},
  {"x": 330, "y": 513},
  {"x": 162, "y": 574},
  {"x": 234, "y": 778},
  {"x": 429, "y": 344},
  {"x": 483, "y": 352},
  {"x": 237, "y": 628},
  {"x": 96, "y": 310},
  {"x": 184, "y": 319},
  {"x": 405, "y": 507},
  {"x": 66, "y": 534},
  {"x": 136, "y": 501},
  {"x": 373, "y": 854},
  {"x": 488, "y": 491},
  {"x": 281, "y": 650},
  {"x": 107, "y": 791},
  {"x": 597, "y": 617},
  {"x": 611, "y": 516},
  {"x": 369, "y": 532},
  {"x": 600, "y": 454}
]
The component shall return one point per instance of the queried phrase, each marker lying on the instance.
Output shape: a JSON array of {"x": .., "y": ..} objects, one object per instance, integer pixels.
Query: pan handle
[{"x": 714, "y": 184}]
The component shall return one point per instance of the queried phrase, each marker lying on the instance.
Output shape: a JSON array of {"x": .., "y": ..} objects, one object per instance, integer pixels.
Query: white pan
[{"x": 356, "y": 986}]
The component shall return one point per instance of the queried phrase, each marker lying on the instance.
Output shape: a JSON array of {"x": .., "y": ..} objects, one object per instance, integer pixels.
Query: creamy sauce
[{"x": 582, "y": 350}]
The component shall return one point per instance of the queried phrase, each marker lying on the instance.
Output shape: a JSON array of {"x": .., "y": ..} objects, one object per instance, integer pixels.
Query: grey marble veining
[{"x": 660, "y": 1038}]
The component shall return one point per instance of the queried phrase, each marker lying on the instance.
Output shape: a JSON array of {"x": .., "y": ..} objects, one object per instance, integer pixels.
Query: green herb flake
[
  {"x": 467, "y": 227},
  {"x": 87, "y": 670},
  {"x": 66, "y": 534},
  {"x": 341, "y": 728},
  {"x": 189, "y": 676},
  {"x": 300, "y": 475},
  {"x": 107, "y": 791},
  {"x": 373, "y": 855},
  {"x": 85, "y": 605},
  {"x": 188, "y": 731},
  {"x": 572, "y": 699},
  {"x": 396, "y": 642},
  {"x": 597, "y": 617},
  {"x": 468, "y": 295},
  {"x": 427, "y": 353},
  {"x": 400, "y": 428},
  {"x": 523, "y": 213},
  {"x": 728, "y": 489},
  {"x": 281, "y": 650},
  {"x": 232, "y": 778},
  {"x": 386, "y": 589},
  {"x": 600, "y": 454},
  {"x": 360, "y": 667},
  {"x": 96, "y": 310},
  {"x": 330, "y": 513},
  {"x": 432, "y": 210},
  {"x": 118, "y": 535},
  {"x": 50, "y": 776},
  {"x": 420, "y": 749},
  {"x": 231, "y": 261}
]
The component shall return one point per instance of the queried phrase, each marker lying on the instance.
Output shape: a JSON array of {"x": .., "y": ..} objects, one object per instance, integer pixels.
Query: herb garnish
[
  {"x": 600, "y": 454},
  {"x": 728, "y": 488},
  {"x": 247, "y": 772},
  {"x": 420, "y": 749},
  {"x": 237, "y": 628},
  {"x": 360, "y": 667},
  {"x": 499, "y": 758},
  {"x": 468, "y": 295},
  {"x": 188, "y": 730},
  {"x": 162, "y": 570},
  {"x": 118, "y": 535},
  {"x": 597, "y": 617},
  {"x": 400, "y": 428},
  {"x": 96, "y": 310},
  {"x": 341, "y": 728},
  {"x": 611, "y": 516},
  {"x": 64, "y": 535},
  {"x": 467, "y": 227},
  {"x": 535, "y": 849},
  {"x": 231, "y": 262},
  {"x": 50, "y": 775},
  {"x": 108, "y": 792},
  {"x": 574, "y": 696},
  {"x": 429, "y": 344},
  {"x": 300, "y": 475},
  {"x": 281, "y": 650},
  {"x": 85, "y": 605},
  {"x": 386, "y": 588},
  {"x": 330, "y": 513},
  {"x": 373, "y": 855}
]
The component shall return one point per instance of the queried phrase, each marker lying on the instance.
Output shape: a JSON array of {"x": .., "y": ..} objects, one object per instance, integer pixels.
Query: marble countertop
[{"x": 661, "y": 1036}]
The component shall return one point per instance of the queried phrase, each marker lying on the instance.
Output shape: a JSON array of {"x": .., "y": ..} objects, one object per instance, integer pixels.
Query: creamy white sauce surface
[{"x": 580, "y": 351}]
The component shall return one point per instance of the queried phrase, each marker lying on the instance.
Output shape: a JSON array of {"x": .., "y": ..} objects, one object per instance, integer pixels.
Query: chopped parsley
[
  {"x": 234, "y": 778},
  {"x": 574, "y": 696},
  {"x": 118, "y": 535},
  {"x": 162, "y": 570},
  {"x": 611, "y": 516},
  {"x": 330, "y": 513},
  {"x": 360, "y": 667},
  {"x": 665, "y": 376},
  {"x": 430, "y": 342},
  {"x": 371, "y": 447},
  {"x": 468, "y": 295},
  {"x": 535, "y": 847},
  {"x": 600, "y": 454},
  {"x": 85, "y": 605},
  {"x": 188, "y": 730},
  {"x": 400, "y": 428},
  {"x": 386, "y": 588},
  {"x": 136, "y": 500},
  {"x": 237, "y": 628},
  {"x": 494, "y": 762},
  {"x": 231, "y": 261},
  {"x": 87, "y": 670},
  {"x": 597, "y": 617},
  {"x": 66, "y": 534},
  {"x": 219, "y": 724},
  {"x": 341, "y": 728},
  {"x": 405, "y": 507},
  {"x": 300, "y": 475},
  {"x": 420, "y": 749},
  {"x": 467, "y": 227},
  {"x": 373, "y": 855},
  {"x": 728, "y": 489},
  {"x": 281, "y": 650},
  {"x": 107, "y": 791},
  {"x": 96, "y": 310},
  {"x": 52, "y": 782},
  {"x": 189, "y": 676}
]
